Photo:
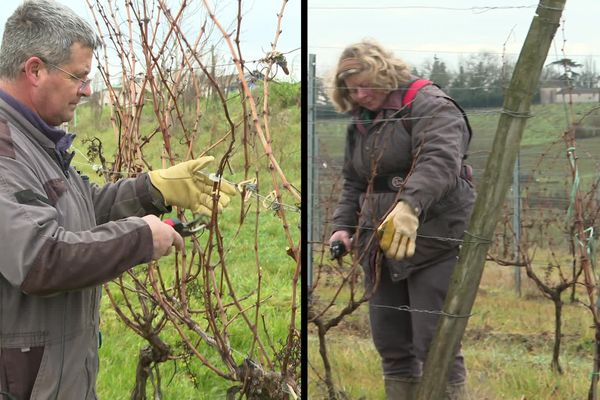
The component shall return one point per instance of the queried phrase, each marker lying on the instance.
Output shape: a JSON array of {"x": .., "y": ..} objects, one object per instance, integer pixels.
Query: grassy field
[
  {"x": 507, "y": 348},
  {"x": 509, "y": 339},
  {"x": 259, "y": 242},
  {"x": 542, "y": 136}
]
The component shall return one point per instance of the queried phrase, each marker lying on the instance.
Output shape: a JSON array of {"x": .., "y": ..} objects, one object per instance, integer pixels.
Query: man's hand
[
  {"x": 163, "y": 237},
  {"x": 398, "y": 232},
  {"x": 185, "y": 185}
]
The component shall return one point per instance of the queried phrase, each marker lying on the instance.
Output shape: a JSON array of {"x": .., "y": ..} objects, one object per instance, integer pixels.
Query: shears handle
[
  {"x": 186, "y": 228},
  {"x": 176, "y": 224}
]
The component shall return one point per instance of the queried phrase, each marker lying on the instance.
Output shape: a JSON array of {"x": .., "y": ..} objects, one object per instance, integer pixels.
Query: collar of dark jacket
[
  {"x": 60, "y": 138},
  {"x": 392, "y": 102}
]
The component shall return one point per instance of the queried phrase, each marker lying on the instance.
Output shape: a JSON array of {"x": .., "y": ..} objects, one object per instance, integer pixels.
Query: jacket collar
[
  {"x": 392, "y": 102},
  {"x": 53, "y": 139},
  {"x": 60, "y": 138}
]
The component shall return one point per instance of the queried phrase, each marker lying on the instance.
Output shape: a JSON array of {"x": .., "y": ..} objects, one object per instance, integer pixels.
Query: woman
[{"x": 404, "y": 205}]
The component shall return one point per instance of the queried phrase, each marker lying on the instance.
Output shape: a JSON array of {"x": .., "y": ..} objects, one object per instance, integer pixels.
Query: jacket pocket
[
  {"x": 398, "y": 270},
  {"x": 19, "y": 368},
  {"x": 28, "y": 196}
]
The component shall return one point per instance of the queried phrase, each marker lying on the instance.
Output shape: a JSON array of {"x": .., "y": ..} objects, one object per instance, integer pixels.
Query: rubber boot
[
  {"x": 457, "y": 391},
  {"x": 400, "y": 388}
]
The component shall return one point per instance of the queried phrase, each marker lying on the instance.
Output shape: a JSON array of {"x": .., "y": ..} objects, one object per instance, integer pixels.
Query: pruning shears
[
  {"x": 337, "y": 250},
  {"x": 186, "y": 228}
]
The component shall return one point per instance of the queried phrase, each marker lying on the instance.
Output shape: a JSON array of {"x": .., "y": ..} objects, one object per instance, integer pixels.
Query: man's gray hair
[{"x": 42, "y": 28}]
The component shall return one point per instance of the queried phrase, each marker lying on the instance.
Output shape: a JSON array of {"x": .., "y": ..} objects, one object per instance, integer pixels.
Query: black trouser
[{"x": 401, "y": 337}]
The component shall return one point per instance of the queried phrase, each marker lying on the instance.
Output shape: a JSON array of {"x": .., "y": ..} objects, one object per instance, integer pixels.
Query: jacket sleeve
[
  {"x": 440, "y": 139},
  {"x": 41, "y": 256},
  {"x": 345, "y": 215},
  {"x": 125, "y": 198}
]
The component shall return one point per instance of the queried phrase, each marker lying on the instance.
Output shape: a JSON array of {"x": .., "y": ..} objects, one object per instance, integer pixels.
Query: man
[{"x": 62, "y": 236}]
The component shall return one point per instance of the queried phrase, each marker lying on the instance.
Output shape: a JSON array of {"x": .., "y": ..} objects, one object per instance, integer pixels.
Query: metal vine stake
[{"x": 176, "y": 80}]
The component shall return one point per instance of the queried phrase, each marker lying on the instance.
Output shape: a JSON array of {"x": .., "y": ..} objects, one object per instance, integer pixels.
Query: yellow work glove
[
  {"x": 185, "y": 185},
  {"x": 398, "y": 232}
]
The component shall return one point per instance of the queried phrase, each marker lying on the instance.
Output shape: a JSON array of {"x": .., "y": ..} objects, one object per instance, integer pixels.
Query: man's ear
[{"x": 32, "y": 69}]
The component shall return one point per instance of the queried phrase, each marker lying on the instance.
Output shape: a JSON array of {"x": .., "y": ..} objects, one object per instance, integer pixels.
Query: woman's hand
[{"x": 344, "y": 237}]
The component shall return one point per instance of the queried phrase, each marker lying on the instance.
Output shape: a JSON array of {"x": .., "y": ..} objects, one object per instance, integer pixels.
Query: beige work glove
[
  {"x": 398, "y": 232},
  {"x": 185, "y": 185}
]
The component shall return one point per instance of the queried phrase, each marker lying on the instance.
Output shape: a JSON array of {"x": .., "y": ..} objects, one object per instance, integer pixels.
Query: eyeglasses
[{"x": 85, "y": 83}]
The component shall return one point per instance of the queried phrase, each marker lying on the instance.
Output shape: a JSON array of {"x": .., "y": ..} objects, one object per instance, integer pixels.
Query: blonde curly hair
[{"x": 385, "y": 71}]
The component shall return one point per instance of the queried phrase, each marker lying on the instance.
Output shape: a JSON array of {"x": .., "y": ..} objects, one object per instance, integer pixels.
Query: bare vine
[{"x": 170, "y": 77}]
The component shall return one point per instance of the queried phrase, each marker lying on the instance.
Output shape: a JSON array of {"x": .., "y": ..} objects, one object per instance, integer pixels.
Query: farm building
[{"x": 553, "y": 95}]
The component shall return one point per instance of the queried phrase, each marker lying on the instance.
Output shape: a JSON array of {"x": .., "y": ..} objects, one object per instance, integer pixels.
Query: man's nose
[{"x": 86, "y": 91}]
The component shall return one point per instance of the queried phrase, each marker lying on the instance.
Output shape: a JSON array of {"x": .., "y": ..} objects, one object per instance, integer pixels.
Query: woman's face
[{"x": 363, "y": 93}]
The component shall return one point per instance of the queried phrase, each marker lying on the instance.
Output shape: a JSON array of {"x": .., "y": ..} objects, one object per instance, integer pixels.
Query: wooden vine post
[{"x": 492, "y": 193}]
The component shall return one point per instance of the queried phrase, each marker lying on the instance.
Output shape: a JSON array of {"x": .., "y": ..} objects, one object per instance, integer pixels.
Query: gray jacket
[
  {"x": 62, "y": 236},
  {"x": 426, "y": 160}
]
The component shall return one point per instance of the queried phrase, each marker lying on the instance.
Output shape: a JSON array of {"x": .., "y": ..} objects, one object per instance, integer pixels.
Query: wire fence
[
  {"x": 549, "y": 221},
  {"x": 556, "y": 184},
  {"x": 544, "y": 171}
]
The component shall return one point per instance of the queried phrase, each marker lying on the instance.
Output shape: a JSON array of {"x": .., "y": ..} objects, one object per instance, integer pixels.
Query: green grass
[
  {"x": 263, "y": 230},
  {"x": 507, "y": 348},
  {"x": 509, "y": 343}
]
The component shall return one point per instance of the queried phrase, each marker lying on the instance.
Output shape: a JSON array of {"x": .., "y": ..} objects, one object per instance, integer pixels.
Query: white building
[{"x": 553, "y": 95}]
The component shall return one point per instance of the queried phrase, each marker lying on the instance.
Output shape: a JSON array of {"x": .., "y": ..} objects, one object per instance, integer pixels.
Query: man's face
[
  {"x": 363, "y": 93},
  {"x": 60, "y": 91}
]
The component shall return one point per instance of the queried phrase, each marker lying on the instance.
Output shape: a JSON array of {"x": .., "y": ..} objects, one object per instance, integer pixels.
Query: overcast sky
[
  {"x": 258, "y": 25},
  {"x": 417, "y": 30}
]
